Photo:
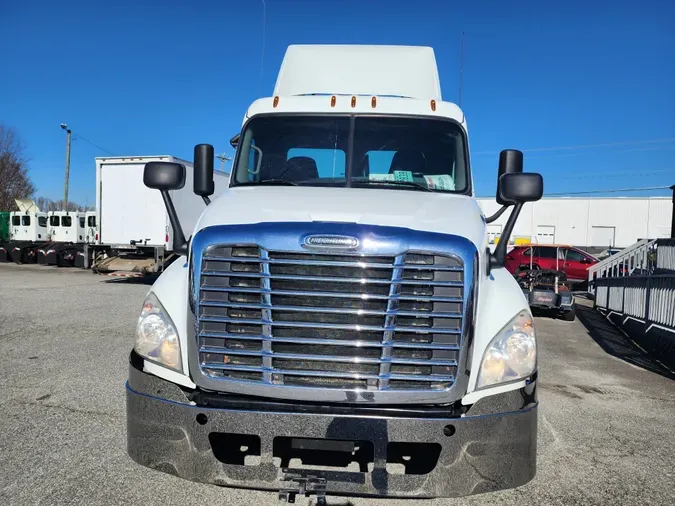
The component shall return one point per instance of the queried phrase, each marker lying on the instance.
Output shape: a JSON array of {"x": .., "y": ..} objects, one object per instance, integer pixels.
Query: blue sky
[{"x": 156, "y": 77}]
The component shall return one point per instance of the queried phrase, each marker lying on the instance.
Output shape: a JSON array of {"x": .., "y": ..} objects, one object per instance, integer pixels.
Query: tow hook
[{"x": 303, "y": 484}]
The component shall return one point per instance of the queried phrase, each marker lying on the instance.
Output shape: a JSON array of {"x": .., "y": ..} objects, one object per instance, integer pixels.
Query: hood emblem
[{"x": 331, "y": 242}]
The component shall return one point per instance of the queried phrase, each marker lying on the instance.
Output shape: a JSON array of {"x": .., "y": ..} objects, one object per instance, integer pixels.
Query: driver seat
[
  {"x": 408, "y": 160},
  {"x": 299, "y": 168}
]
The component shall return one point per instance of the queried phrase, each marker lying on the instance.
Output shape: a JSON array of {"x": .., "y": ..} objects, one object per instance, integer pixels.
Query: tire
[{"x": 570, "y": 316}]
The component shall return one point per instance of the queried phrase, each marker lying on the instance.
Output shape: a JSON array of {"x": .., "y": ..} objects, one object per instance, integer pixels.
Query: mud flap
[{"x": 303, "y": 484}]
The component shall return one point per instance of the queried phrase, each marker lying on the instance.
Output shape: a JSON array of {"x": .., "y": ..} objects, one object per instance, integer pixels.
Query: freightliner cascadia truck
[{"x": 335, "y": 323}]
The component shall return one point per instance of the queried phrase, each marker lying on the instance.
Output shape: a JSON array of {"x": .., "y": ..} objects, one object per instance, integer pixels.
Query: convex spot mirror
[
  {"x": 203, "y": 170},
  {"x": 510, "y": 162},
  {"x": 521, "y": 187},
  {"x": 164, "y": 175}
]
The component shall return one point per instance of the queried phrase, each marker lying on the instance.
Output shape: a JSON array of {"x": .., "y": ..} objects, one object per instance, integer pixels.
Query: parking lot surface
[{"x": 606, "y": 426}]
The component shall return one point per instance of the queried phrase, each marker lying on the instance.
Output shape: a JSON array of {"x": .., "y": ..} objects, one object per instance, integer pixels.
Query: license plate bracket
[{"x": 331, "y": 445}]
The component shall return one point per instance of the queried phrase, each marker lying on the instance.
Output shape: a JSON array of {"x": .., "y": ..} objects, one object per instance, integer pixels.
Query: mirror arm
[
  {"x": 207, "y": 200},
  {"x": 180, "y": 245},
  {"x": 498, "y": 258},
  {"x": 496, "y": 215}
]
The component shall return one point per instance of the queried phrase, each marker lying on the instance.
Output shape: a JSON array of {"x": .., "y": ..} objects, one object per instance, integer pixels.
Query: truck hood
[{"x": 417, "y": 210}]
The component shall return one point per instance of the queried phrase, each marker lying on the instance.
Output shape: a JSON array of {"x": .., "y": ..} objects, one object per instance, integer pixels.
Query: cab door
[{"x": 92, "y": 229}]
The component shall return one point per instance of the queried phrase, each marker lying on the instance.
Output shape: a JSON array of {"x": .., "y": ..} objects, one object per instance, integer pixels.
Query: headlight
[
  {"x": 512, "y": 354},
  {"x": 156, "y": 336}
]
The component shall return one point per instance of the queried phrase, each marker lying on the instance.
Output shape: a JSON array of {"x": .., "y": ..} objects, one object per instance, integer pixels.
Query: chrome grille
[{"x": 330, "y": 321}]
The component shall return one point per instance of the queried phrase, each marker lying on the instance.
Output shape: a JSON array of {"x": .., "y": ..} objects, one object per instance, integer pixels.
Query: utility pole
[
  {"x": 672, "y": 216},
  {"x": 65, "y": 184},
  {"x": 223, "y": 157}
]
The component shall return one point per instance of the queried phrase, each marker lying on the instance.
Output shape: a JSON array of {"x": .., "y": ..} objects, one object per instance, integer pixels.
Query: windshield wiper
[
  {"x": 412, "y": 184},
  {"x": 281, "y": 182}
]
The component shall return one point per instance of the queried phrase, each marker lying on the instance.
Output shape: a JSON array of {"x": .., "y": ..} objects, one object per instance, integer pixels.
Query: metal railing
[
  {"x": 637, "y": 292},
  {"x": 641, "y": 259},
  {"x": 648, "y": 300}
]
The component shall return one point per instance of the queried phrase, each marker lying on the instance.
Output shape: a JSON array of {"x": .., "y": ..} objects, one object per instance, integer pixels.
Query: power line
[
  {"x": 590, "y": 192},
  {"x": 78, "y": 136},
  {"x": 605, "y": 175},
  {"x": 615, "y": 190},
  {"x": 585, "y": 146},
  {"x": 591, "y": 153}
]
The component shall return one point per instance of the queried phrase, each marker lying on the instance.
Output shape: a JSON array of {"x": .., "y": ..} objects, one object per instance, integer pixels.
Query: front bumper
[{"x": 491, "y": 447}]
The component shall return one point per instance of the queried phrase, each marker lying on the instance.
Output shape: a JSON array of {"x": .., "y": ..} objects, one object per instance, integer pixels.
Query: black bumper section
[{"x": 492, "y": 447}]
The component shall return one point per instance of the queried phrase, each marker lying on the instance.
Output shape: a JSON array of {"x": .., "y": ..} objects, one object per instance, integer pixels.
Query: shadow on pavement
[
  {"x": 144, "y": 280},
  {"x": 614, "y": 342}
]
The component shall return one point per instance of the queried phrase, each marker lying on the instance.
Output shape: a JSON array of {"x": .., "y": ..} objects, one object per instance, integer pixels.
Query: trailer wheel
[{"x": 570, "y": 316}]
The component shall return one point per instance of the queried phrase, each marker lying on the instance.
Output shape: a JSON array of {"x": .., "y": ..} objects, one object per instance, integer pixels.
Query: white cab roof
[{"x": 404, "y": 71}]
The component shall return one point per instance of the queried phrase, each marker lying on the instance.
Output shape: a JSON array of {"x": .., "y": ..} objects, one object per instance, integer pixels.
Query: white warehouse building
[{"x": 590, "y": 223}]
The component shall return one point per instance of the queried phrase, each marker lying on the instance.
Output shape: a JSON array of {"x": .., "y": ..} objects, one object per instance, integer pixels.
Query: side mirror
[
  {"x": 514, "y": 188},
  {"x": 510, "y": 162},
  {"x": 203, "y": 171},
  {"x": 519, "y": 188},
  {"x": 164, "y": 175}
]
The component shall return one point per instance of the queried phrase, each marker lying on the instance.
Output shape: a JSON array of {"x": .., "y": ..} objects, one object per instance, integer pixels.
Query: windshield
[{"x": 394, "y": 152}]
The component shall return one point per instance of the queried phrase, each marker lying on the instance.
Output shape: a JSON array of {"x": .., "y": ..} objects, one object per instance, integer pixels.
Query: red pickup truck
[{"x": 572, "y": 261}]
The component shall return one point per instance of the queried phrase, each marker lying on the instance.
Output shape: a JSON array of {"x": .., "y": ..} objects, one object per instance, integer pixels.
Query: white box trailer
[{"x": 134, "y": 231}]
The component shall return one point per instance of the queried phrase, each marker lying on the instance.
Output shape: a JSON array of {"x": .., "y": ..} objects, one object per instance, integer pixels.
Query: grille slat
[
  {"x": 325, "y": 279},
  {"x": 335, "y": 342},
  {"x": 321, "y": 263},
  {"x": 336, "y": 326},
  {"x": 329, "y": 320},
  {"x": 420, "y": 298},
  {"x": 324, "y": 358},
  {"x": 331, "y": 374},
  {"x": 322, "y": 309}
]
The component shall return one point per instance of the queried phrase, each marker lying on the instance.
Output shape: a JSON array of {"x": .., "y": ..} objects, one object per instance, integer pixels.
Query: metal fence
[
  {"x": 637, "y": 292},
  {"x": 649, "y": 299},
  {"x": 641, "y": 259}
]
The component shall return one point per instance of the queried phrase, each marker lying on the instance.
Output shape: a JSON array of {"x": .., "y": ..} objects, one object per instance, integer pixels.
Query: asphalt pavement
[{"x": 606, "y": 427}]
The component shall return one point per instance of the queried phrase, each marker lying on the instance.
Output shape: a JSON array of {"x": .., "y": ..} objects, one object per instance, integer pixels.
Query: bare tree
[
  {"x": 14, "y": 180},
  {"x": 45, "y": 205}
]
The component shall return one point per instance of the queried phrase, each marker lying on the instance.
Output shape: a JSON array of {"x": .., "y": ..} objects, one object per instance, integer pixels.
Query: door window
[
  {"x": 545, "y": 252},
  {"x": 575, "y": 256},
  {"x": 67, "y": 221},
  {"x": 54, "y": 221},
  {"x": 16, "y": 221},
  {"x": 25, "y": 221},
  {"x": 42, "y": 221}
]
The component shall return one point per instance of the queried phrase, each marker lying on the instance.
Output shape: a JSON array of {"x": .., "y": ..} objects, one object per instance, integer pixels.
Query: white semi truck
[
  {"x": 336, "y": 322},
  {"x": 67, "y": 235},
  {"x": 28, "y": 232}
]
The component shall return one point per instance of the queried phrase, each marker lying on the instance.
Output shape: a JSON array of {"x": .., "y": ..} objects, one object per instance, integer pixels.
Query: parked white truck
[
  {"x": 336, "y": 323},
  {"x": 132, "y": 231},
  {"x": 27, "y": 231}
]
